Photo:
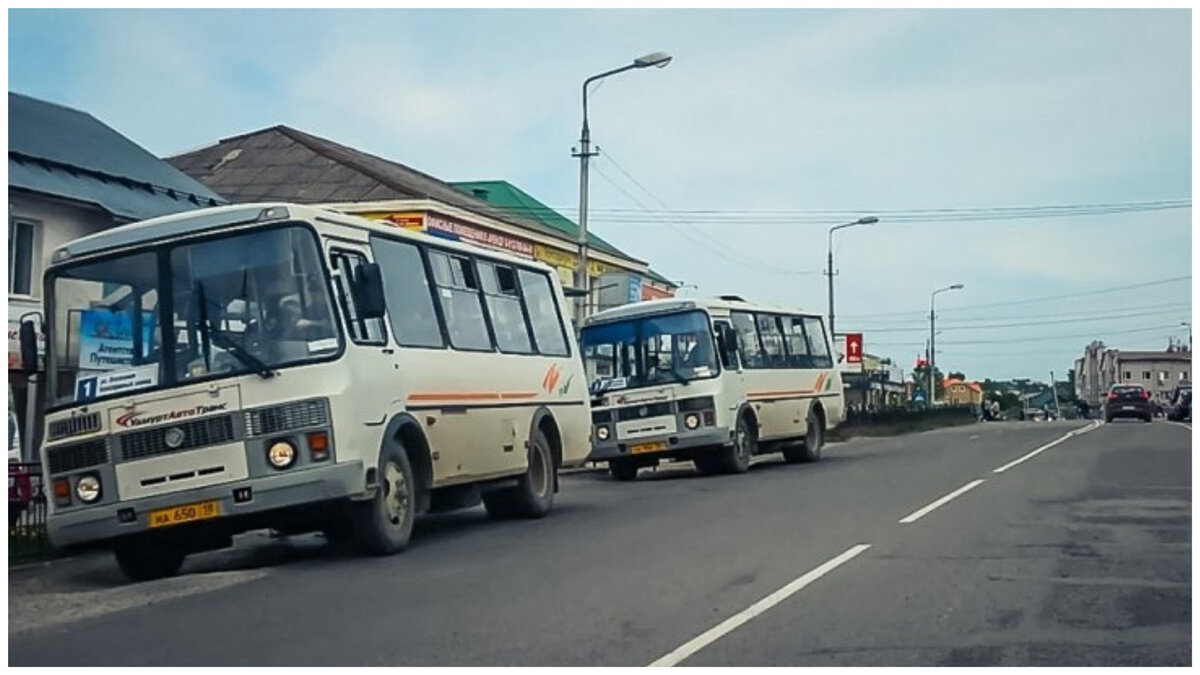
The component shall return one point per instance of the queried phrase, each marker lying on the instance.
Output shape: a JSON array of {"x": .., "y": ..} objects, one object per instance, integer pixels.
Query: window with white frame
[{"x": 20, "y": 256}]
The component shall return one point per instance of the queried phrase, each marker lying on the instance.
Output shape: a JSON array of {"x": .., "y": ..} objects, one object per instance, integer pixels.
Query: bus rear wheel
[
  {"x": 533, "y": 496},
  {"x": 384, "y": 524},
  {"x": 147, "y": 563},
  {"x": 814, "y": 442}
]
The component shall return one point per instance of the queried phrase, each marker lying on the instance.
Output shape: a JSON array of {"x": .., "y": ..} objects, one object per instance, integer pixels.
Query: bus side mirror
[
  {"x": 368, "y": 291},
  {"x": 29, "y": 347}
]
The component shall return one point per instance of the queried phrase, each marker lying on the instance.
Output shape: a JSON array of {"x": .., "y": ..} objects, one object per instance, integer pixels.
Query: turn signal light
[
  {"x": 62, "y": 492},
  {"x": 318, "y": 446},
  {"x": 708, "y": 418}
]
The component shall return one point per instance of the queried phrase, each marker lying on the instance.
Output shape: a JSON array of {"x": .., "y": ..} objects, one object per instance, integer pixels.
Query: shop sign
[
  {"x": 554, "y": 257},
  {"x": 653, "y": 293},
  {"x": 478, "y": 235}
]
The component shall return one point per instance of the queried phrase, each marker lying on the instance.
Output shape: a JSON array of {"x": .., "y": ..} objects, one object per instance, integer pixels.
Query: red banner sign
[{"x": 854, "y": 348}]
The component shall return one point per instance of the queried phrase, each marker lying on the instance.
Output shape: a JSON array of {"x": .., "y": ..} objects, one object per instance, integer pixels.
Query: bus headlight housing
[
  {"x": 691, "y": 421},
  {"x": 281, "y": 454},
  {"x": 602, "y": 433},
  {"x": 87, "y": 488}
]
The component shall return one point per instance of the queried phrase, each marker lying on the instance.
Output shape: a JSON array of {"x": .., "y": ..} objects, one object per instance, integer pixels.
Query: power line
[
  {"x": 924, "y": 320},
  {"x": 1026, "y": 301},
  {"x": 793, "y": 217},
  {"x": 1052, "y": 322},
  {"x": 1036, "y": 338},
  {"x": 725, "y": 254}
]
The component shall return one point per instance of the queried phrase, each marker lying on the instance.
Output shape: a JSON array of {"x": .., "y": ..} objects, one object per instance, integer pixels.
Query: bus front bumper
[
  {"x": 680, "y": 446},
  {"x": 98, "y": 524}
]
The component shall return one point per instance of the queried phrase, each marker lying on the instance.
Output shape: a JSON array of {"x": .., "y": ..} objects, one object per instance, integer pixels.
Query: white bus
[
  {"x": 711, "y": 381},
  {"x": 285, "y": 367}
]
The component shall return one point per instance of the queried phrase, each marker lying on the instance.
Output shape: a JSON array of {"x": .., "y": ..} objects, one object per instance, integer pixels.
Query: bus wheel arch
[{"x": 405, "y": 431}]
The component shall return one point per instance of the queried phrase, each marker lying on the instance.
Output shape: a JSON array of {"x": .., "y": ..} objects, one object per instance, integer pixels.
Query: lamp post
[
  {"x": 1189, "y": 327},
  {"x": 656, "y": 59},
  {"x": 868, "y": 220},
  {"x": 932, "y": 335}
]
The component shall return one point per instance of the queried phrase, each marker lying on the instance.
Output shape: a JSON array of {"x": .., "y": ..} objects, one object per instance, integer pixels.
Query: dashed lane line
[{"x": 717, "y": 632}]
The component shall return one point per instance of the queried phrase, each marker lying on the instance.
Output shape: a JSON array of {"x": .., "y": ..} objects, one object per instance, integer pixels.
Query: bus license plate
[
  {"x": 647, "y": 447},
  {"x": 185, "y": 514}
]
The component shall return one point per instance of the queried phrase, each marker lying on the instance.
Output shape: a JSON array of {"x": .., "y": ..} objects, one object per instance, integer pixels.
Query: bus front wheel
[
  {"x": 383, "y": 525},
  {"x": 623, "y": 470},
  {"x": 147, "y": 563},
  {"x": 737, "y": 455}
]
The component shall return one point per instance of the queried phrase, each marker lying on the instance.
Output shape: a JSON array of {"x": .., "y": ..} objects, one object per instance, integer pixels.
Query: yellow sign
[{"x": 555, "y": 257}]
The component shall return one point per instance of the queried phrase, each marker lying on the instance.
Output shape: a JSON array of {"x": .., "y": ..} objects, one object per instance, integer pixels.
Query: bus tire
[
  {"x": 814, "y": 438},
  {"x": 533, "y": 496},
  {"x": 139, "y": 562},
  {"x": 623, "y": 470},
  {"x": 383, "y": 525},
  {"x": 736, "y": 457}
]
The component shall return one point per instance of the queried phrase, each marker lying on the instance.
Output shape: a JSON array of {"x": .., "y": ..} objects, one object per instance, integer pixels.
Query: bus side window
[
  {"x": 362, "y": 331},
  {"x": 748, "y": 343},
  {"x": 458, "y": 293},
  {"x": 815, "y": 329},
  {"x": 409, "y": 297},
  {"x": 799, "y": 355},
  {"x": 544, "y": 315},
  {"x": 772, "y": 341}
]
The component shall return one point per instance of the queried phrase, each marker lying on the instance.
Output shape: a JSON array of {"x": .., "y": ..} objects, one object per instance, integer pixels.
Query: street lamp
[
  {"x": 932, "y": 335},
  {"x": 869, "y": 220},
  {"x": 1189, "y": 327},
  {"x": 656, "y": 59}
]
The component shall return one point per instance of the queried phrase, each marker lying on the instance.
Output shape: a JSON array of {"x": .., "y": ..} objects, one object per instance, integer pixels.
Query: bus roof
[
  {"x": 668, "y": 305},
  {"x": 204, "y": 220}
]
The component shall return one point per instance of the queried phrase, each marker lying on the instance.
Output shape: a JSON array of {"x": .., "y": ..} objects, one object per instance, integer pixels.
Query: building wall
[
  {"x": 961, "y": 394},
  {"x": 1158, "y": 376}
]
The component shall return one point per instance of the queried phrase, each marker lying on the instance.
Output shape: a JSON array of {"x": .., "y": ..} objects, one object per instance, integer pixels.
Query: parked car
[
  {"x": 1181, "y": 406},
  {"x": 1128, "y": 400}
]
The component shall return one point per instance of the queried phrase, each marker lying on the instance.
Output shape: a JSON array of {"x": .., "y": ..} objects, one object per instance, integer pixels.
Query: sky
[{"x": 1041, "y": 158}]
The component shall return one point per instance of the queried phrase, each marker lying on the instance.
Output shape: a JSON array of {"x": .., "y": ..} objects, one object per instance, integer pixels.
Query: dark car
[
  {"x": 1181, "y": 406},
  {"x": 1128, "y": 400}
]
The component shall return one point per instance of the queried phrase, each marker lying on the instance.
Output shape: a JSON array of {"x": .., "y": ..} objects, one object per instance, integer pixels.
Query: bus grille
[
  {"x": 77, "y": 456},
  {"x": 286, "y": 418},
  {"x": 74, "y": 426},
  {"x": 637, "y": 412},
  {"x": 196, "y": 434}
]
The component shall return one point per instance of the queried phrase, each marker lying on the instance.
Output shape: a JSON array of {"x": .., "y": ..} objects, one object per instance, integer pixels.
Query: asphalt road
[{"x": 1077, "y": 555}]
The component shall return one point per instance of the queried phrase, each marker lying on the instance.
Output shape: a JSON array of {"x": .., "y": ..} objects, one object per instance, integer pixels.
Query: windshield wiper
[{"x": 222, "y": 340}]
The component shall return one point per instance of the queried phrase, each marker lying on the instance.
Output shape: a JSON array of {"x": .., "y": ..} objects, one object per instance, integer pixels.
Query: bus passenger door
[
  {"x": 367, "y": 390},
  {"x": 733, "y": 375}
]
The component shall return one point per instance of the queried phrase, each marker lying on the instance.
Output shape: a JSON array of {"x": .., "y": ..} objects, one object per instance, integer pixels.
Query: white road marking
[
  {"x": 922, "y": 512},
  {"x": 715, "y": 633},
  {"x": 1180, "y": 424},
  {"x": 1077, "y": 432}
]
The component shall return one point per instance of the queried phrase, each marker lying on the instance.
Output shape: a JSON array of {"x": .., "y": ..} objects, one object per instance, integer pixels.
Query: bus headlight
[
  {"x": 281, "y": 454},
  {"x": 88, "y": 488},
  {"x": 691, "y": 421},
  {"x": 602, "y": 433}
]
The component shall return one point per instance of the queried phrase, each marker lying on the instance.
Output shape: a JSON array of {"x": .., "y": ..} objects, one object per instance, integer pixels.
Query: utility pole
[{"x": 1054, "y": 389}]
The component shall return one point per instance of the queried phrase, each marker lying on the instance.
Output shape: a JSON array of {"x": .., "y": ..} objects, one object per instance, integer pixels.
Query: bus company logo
[
  {"x": 551, "y": 377},
  {"x": 136, "y": 419}
]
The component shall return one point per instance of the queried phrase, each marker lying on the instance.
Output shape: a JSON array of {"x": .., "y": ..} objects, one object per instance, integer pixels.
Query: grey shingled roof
[
  {"x": 67, "y": 153},
  {"x": 283, "y": 164}
]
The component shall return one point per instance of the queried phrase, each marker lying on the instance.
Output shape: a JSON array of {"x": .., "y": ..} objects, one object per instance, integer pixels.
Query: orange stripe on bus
[
  {"x": 469, "y": 396},
  {"x": 781, "y": 393}
]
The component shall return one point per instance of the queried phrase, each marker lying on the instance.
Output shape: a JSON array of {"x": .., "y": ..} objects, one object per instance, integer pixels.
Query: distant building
[
  {"x": 1158, "y": 371},
  {"x": 958, "y": 392}
]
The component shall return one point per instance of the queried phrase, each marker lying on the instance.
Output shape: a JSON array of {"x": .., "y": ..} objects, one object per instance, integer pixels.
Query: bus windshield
[
  {"x": 244, "y": 303},
  {"x": 649, "y": 350}
]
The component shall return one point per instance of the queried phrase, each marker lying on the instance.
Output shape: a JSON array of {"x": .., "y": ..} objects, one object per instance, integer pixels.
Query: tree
[{"x": 958, "y": 375}]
